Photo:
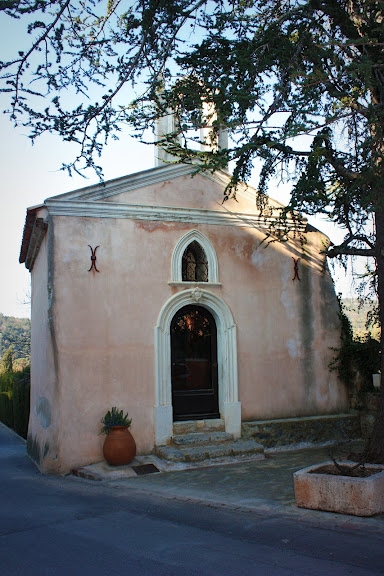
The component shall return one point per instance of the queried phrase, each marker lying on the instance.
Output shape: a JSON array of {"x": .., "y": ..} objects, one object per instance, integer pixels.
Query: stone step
[
  {"x": 199, "y": 453},
  {"x": 198, "y": 438},
  {"x": 191, "y": 426}
]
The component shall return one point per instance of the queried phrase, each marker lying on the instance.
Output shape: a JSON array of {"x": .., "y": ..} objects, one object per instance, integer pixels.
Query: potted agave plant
[{"x": 119, "y": 445}]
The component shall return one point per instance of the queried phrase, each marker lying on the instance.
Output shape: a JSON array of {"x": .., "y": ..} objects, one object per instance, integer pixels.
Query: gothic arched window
[
  {"x": 194, "y": 264},
  {"x": 194, "y": 260}
]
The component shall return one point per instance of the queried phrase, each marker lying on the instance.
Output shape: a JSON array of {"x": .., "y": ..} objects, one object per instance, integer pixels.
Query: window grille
[{"x": 194, "y": 264}]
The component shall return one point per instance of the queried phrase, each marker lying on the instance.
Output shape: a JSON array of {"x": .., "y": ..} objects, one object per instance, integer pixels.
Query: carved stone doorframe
[{"x": 229, "y": 405}]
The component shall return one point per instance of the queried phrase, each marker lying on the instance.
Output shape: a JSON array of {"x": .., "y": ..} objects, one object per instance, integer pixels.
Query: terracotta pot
[{"x": 119, "y": 446}]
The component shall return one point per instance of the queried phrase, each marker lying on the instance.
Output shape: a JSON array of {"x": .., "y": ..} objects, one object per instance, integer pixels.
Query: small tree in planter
[
  {"x": 119, "y": 445},
  {"x": 347, "y": 488}
]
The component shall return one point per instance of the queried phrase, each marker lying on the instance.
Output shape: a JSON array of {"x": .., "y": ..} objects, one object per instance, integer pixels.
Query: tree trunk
[{"x": 374, "y": 451}]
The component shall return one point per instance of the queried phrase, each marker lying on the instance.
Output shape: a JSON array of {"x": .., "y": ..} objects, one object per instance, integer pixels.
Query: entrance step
[
  {"x": 191, "y": 426},
  {"x": 198, "y": 438},
  {"x": 202, "y": 446}
]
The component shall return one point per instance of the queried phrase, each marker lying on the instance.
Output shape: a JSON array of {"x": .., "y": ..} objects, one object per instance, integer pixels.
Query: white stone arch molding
[
  {"x": 229, "y": 405},
  {"x": 183, "y": 243}
]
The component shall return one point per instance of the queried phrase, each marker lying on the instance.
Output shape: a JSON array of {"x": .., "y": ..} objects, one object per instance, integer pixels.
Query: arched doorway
[
  {"x": 194, "y": 367},
  {"x": 229, "y": 405}
]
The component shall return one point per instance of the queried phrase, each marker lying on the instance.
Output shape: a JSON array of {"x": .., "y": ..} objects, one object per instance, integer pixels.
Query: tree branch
[
  {"x": 344, "y": 250},
  {"x": 34, "y": 47}
]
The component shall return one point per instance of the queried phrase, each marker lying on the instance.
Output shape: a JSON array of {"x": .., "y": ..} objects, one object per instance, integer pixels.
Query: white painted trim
[
  {"x": 99, "y": 192},
  {"x": 89, "y": 201},
  {"x": 127, "y": 183},
  {"x": 146, "y": 178},
  {"x": 229, "y": 406},
  {"x": 160, "y": 213},
  {"x": 194, "y": 284},
  {"x": 183, "y": 243}
]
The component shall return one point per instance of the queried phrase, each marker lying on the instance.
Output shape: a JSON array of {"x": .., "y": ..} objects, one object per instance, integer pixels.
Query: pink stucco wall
[
  {"x": 43, "y": 435},
  {"x": 99, "y": 326}
]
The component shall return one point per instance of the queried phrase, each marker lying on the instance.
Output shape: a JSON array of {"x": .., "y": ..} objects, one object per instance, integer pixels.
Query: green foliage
[
  {"x": 363, "y": 317},
  {"x": 21, "y": 401},
  {"x": 112, "y": 418},
  {"x": 15, "y": 332},
  {"x": 6, "y": 382},
  {"x": 355, "y": 355},
  {"x": 15, "y": 400},
  {"x": 20, "y": 363},
  {"x": 7, "y": 361},
  {"x": 6, "y": 409}
]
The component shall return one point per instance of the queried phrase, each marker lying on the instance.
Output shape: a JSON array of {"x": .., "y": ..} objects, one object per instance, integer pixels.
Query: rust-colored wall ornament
[
  {"x": 93, "y": 258},
  {"x": 295, "y": 268}
]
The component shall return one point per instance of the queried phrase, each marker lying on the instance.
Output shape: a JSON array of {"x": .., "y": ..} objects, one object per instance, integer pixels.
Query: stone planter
[{"x": 337, "y": 493}]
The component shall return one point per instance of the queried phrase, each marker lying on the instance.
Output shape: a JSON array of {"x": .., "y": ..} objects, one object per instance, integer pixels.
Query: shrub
[
  {"x": 356, "y": 356},
  {"x": 21, "y": 402},
  {"x": 6, "y": 409},
  {"x": 15, "y": 400},
  {"x": 6, "y": 382},
  {"x": 7, "y": 360}
]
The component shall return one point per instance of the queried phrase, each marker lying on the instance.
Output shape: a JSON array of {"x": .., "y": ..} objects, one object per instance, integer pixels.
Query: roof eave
[{"x": 33, "y": 234}]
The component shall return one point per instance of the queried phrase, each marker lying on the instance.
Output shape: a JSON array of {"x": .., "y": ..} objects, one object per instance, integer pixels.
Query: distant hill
[
  {"x": 357, "y": 315},
  {"x": 15, "y": 332}
]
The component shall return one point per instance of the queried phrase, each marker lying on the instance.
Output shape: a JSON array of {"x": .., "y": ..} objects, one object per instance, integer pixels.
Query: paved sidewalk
[{"x": 261, "y": 486}]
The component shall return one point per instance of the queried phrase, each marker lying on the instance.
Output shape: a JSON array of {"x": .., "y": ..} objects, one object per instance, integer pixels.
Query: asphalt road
[{"x": 70, "y": 526}]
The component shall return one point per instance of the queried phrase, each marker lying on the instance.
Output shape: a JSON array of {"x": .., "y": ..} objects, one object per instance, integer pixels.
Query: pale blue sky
[{"x": 29, "y": 175}]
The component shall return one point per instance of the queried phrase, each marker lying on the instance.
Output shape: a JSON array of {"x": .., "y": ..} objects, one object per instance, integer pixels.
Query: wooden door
[{"x": 194, "y": 364}]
